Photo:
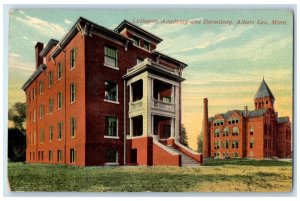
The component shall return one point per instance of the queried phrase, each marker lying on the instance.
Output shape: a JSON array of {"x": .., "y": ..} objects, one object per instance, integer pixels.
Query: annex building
[
  {"x": 105, "y": 97},
  {"x": 257, "y": 133}
]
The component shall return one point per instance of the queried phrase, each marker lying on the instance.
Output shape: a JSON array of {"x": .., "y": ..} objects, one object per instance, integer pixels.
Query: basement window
[{"x": 111, "y": 157}]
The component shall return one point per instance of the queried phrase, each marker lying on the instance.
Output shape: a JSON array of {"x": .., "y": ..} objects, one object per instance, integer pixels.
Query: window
[
  {"x": 251, "y": 130},
  {"x": 34, "y": 137},
  {"x": 217, "y": 133},
  {"x": 41, "y": 111},
  {"x": 251, "y": 143},
  {"x": 72, "y": 92},
  {"x": 226, "y": 132},
  {"x": 41, "y": 87},
  {"x": 59, "y": 70},
  {"x": 111, "y": 57},
  {"x": 217, "y": 144},
  {"x": 111, "y": 126},
  {"x": 139, "y": 60},
  {"x": 59, "y": 100},
  {"x": 50, "y": 156},
  {"x": 235, "y": 131},
  {"x": 235, "y": 144},
  {"x": 72, "y": 58},
  {"x": 31, "y": 138},
  {"x": 42, "y": 155},
  {"x": 50, "y": 105},
  {"x": 267, "y": 102},
  {"x": 111, "y": 91},
  {"x": 50, "y": 133},
  {"x": 33, "y": 93},
  {"x": 59, "y": 156},
  {"x": 111, "y": 156},
  {"x": 34, "y": 115},
  {"x": 136, "y": 41},
  {"x": 227, "y": 142},
  {"x": 73, "y": 126},
  {"x": 50, "y": 78},
  {"x": 146, "y": 45},
  {"x": 72, "y": 156},
  {"x": 41, "y": 136},
  {"x": 60, "y": 130}
]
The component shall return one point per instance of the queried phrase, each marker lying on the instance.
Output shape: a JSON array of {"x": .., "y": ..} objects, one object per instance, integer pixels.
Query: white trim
[
  {"x": 142, "y": 48},
  {"x": 109, "y": 101},
  {"x": 109, "y": 164},
  {"x": 109, "y": 66},
  {"x": 111, "y": 137},
  {"x": 164, "y": 147},
  {"x": 185, "y": 148}
]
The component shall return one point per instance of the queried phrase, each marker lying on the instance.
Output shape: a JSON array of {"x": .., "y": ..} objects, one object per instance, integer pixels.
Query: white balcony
[
  {"x": 161, "y": 105},
  {"x": 135, "y": 105}
]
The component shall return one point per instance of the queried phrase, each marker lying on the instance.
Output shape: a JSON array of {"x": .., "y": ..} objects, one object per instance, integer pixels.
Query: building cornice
[
  {"x": 34, "y": 75},
  {"x": 168, "y": 58},
  {"x": 48, "y": 47}
]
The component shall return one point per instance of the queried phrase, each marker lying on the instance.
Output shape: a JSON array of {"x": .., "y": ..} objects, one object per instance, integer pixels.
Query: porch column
[
  {"x": 172, "y": 128},
  {"x": 130, "y": 93},
  {"x": 173, "y": 94},
  {"x": 152, "y": 125},
  {"x": 130, "y": 126},
  {"x": 177, "y": 114}
]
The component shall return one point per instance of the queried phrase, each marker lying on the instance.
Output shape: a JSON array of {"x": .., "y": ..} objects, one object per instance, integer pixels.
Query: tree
[
  {"x": 17, "y": 114},
  {"x": 200, "y": 143},
  {"x": 183, "y": 137},
  {"x": 17, "y": 134}
]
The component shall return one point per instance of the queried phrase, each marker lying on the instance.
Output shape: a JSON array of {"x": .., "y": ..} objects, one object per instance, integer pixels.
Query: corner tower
[{"x": 264, "y": 97}]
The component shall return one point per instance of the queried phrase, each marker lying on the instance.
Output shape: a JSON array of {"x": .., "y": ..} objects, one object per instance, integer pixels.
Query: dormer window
[{"x": 146, "y": 46}]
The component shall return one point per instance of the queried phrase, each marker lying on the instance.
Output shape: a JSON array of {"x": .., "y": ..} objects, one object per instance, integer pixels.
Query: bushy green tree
[
  {"x": 17, "y": 134},
  {"x": 200, "y": 143},
  {"x": 184, "y": 137}
]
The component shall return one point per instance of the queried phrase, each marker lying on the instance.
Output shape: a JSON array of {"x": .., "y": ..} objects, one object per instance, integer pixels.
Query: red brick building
[
  {"x": 105, "y": 97},
  {"x": 259, "y": 133}
]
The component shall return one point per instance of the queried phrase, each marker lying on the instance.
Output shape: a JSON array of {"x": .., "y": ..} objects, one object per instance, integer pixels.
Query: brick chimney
[
  {"x": 38, "y": 59},
  {"x": 205, "y": 130}
]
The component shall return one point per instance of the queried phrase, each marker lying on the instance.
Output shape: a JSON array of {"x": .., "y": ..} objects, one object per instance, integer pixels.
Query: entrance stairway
[{"x": 186, "y": 161}]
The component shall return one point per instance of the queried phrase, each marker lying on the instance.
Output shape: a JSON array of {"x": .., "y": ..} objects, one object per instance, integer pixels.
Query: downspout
[
  {"x": 65, "y": 126},
  {"x": 124, "y": 128}
]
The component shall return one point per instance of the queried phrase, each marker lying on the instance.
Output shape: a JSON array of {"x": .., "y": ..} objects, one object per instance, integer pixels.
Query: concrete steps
[{"x": 186, "y": 161}]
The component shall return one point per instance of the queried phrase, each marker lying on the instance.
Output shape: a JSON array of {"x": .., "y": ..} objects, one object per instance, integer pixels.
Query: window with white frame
[
  {"x": 59, "y": 156},
  {"x": 41, "y": 136},
  {"x": 111, "y": 91},
  {"x": 72, "y": 58},
  {"x": 50, "y": 78},
  {"x": 50, "y": 105},
  {"x": 50, "y": 156},
  {"x": 73, "y": 126},
  {"x": 59, "y": 100},
  {"x": 72, "y": 92},
  {"x": 41, "y": 111},
  {"x": 146, "y": 45},
  {"x": 111, "y": 126},
  {"x": 60, "y": 130},
  {"x": 50, "y": 133},
  {"x": 72, "y": 156},
  {"x": 59, "y": 70},
  {"x": 111, "y": 56},
  {"x": 41, "y": 87}
]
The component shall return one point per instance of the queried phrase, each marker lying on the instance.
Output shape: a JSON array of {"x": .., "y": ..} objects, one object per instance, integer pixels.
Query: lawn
[{"x": 216, "y": 176}]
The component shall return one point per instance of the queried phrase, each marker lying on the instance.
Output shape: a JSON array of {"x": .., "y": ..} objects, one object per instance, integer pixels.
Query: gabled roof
[
  {"x": 229, "y": 113},
  {"x": 48, "y": 47},
  {"x": 257, "y": 113},
  {"x": 283, "y": 119},
  {"x": 263, "y": 91},
  {"x": 143, "y": 32}
]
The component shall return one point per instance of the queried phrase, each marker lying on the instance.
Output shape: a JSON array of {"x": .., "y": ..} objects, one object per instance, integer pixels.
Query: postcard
[{"x": 150, "y": 100}]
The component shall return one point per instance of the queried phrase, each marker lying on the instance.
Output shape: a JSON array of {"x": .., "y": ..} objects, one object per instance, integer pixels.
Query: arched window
[
  {"x": 226, "y": 132},
  {"x": 217, "y": 133},
  {"x": 235, "y": 131}
]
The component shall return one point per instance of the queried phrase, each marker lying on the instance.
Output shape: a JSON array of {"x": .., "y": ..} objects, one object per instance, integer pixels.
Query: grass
[{"x": 229, "y": 177}]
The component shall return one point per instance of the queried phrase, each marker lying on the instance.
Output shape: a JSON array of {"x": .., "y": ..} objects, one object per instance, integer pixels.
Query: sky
[{"x": 226, "y": 60}]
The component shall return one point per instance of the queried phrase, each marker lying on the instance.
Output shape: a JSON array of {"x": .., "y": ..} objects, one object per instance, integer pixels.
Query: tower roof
[{"x": 264, "y": 91}]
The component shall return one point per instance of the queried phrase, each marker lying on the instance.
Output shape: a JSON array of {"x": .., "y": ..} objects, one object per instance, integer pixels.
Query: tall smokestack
[
  {"x": 38, "y": 59},
  {"x": 205, "y": 130}
]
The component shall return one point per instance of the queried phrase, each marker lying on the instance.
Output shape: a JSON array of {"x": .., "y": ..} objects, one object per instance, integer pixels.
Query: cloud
[
  {"x": 16, "y": 62},
  {"x": 68, "y": 21},
  {"x": 21, "y": 12},
  {"x": 42, "y": 26},
  {"x": 25, "y": 38}
]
